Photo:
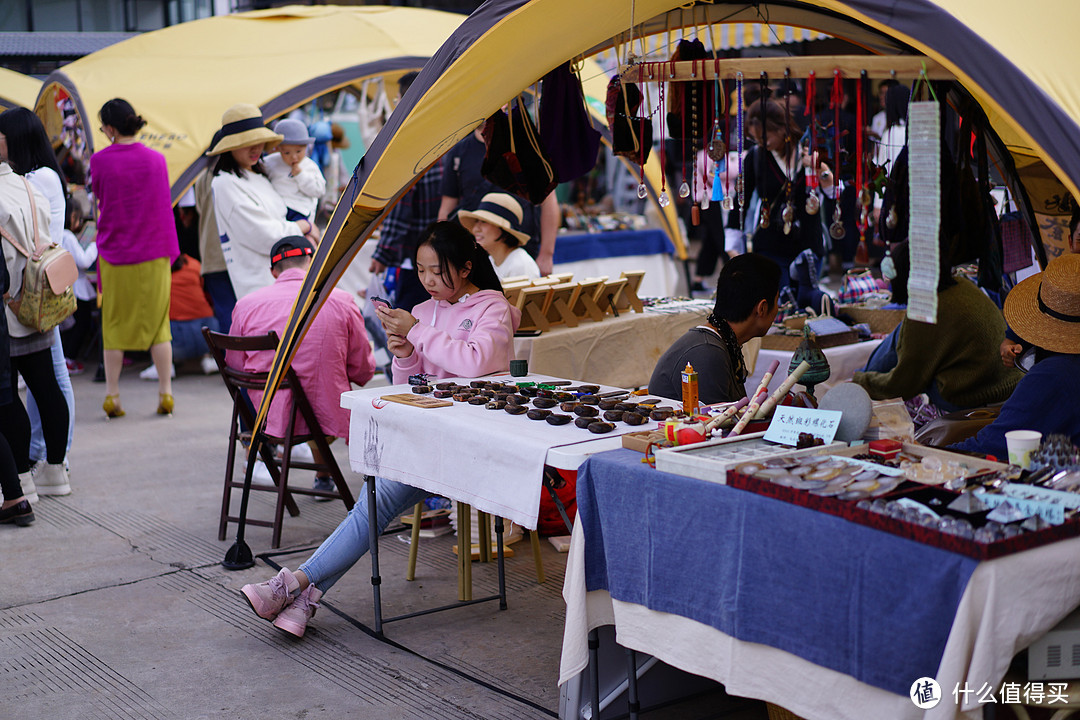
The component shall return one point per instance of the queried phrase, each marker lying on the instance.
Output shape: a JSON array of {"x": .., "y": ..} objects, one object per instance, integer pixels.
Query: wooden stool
[{"x": 465, "y": 558}]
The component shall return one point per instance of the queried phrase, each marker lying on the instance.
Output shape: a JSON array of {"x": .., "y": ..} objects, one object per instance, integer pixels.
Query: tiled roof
[{"x": 57, "y": 44}]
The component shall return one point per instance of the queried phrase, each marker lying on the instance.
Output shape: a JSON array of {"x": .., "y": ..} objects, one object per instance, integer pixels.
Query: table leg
[
  {"x": 485, "y": 536},
  {"x": 594, "y": 671},
  {"x": 632, "y": 704},
  {"x": 373, "y": 543},
  {"x": 464, "y": 552},
  {"x": 502, "y": 569}
]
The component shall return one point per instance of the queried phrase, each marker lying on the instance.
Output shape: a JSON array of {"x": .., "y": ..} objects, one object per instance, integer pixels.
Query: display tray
[
  {"x": 849, "y": 510},
  {"x": 710, "y": 460}
]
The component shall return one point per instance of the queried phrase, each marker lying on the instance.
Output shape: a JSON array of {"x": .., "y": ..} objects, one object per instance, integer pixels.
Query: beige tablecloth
[{"x": 618, "y": 351}]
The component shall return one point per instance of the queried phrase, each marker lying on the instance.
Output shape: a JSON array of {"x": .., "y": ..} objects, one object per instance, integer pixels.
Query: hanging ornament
[
  {"x": 862, "y": 252},
  {"x": 642, "y": 191},
  {"x": 891, "y": 219},
  {"x": 813, "y": 202},
  {"x": 836, "y": 230},
  {"x": 684, "y": 189},
  {"x": 663, "y": 200},
  {"x": 740, "y": 134},
  {"x": 791, "y": 158},
  {"x": 763, "y": 221},
  {"x": 789, "y": 216}
]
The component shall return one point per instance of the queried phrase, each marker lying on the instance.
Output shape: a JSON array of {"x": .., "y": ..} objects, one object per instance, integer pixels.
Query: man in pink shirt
[{"x": 335, "y": 351}]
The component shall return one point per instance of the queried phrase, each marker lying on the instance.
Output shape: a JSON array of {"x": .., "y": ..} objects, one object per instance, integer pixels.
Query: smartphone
[{"x": 379, "y": 301}]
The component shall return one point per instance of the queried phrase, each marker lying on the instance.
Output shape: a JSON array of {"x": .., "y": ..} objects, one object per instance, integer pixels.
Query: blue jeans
[
  {"x": 349, "y": 542},
  {"x": 883, "y": 359},
  {"x": 222, "y": 297},
  {"x": 187, "y": 338},
  {"x": 63, "y": 379}
]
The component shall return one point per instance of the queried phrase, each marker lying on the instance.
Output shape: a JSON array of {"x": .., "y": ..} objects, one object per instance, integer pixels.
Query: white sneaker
[
  {"x": 52, "y": 480},
  {"x": 209, "y": 367},
  {"x": 150, "y": 373},
  {"x": 26, "y": 484}
]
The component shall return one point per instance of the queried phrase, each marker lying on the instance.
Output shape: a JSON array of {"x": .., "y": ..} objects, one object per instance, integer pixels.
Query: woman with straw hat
[
  {"x": 1044, "y": 310},
  {"x": 250, "y": 213},
  {"x": 496, "y": 225}
]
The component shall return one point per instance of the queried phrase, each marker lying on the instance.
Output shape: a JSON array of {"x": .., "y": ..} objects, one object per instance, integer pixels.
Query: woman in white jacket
[{"x": 250, "y": 213}]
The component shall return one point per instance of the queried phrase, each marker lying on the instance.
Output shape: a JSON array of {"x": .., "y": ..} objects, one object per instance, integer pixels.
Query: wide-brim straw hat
[
  {"x": 242, "y": 126},
  {"x": 1044, "y": 309},
  {"x": 499, "y": 209}
]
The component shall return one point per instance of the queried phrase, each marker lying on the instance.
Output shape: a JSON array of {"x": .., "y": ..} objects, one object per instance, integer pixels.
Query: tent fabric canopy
[
  {"x": 1007, "y": 61},
  {"x": 17, "y": 90},
  {"x": 181, "y": 79}
]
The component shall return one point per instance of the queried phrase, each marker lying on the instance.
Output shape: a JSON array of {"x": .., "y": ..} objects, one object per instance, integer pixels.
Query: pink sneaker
[
  {"x": 268, "y": 598},
  {"x": 294, "y": 618}
]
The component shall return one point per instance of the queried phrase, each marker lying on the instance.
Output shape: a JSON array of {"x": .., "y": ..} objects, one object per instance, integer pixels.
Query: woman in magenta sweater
[
  {"x": 136, "y": 240},
  {"x": 466, "y": 329}
]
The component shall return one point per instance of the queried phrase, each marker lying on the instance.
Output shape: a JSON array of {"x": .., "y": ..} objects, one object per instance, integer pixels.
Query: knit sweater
[{"x": 960, "y": 353}]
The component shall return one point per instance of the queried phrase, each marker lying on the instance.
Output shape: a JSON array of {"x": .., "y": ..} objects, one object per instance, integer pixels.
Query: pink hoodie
[{"x": 470, "y": 338}]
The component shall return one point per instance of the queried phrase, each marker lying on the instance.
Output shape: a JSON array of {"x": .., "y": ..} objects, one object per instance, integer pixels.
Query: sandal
[
  {"x": 111, "y": 406},
  {"x": 165, "y": 404}
]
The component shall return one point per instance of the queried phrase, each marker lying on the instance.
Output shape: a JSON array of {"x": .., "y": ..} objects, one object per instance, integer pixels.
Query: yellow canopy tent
[
  {"x": 1009, "y": 62},
  {"x": 17, "y": 90},
  {"x": 182, "y": 78}
]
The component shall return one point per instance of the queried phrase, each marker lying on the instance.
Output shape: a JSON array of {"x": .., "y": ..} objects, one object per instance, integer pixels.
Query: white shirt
[
  {"x": 250, "y": 219},
  {"x": 84, "y": 258},
  {"x": 301, "y": 192},
  {"x": 517, "y": 264},
  {"x": 48, "y": 182}
]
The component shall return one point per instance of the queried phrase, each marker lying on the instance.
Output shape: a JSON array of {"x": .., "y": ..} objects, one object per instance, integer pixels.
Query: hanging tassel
[{"x": 718, "y": 183}]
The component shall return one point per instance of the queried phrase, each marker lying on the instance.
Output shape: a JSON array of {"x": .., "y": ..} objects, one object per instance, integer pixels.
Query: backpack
[{"x": 47, "y": 297}]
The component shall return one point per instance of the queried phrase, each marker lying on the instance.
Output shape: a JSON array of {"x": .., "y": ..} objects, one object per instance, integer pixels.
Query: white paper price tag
[{"x": 788, "y": 422}]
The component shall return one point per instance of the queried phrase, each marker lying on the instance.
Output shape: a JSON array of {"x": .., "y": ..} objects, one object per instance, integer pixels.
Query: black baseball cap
[{"x": 292, "y": 246}]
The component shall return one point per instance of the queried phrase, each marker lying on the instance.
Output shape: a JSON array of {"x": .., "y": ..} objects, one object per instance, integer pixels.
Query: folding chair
[{"x": 238, "y": 383}]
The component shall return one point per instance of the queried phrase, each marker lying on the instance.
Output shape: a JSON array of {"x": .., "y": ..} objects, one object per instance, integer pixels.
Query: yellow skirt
[{"x": 135, "y": 304}]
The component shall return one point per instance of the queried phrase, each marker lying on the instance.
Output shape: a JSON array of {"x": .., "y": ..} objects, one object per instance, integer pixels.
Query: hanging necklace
[
  {"x": 813, "y": 202},
  {"x": 836, "y": 230},
  {"x": 663, "y": 200},
  {"x": 740, "y": 184},
  {"x": 788, "y": 214},
  {"x": 717, "y": 148},
  {"x": 862, "y": 254},
  {"x": 762, "y": 149}
]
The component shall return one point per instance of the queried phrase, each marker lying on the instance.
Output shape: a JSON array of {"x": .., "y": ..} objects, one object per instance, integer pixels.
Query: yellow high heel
[
  {"x": 111, "y": 406},
  {"x": 165, "y": 404}
]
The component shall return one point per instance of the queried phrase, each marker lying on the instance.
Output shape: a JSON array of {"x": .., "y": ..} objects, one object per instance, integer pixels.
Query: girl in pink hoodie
[{"x": 467, "y": 327}]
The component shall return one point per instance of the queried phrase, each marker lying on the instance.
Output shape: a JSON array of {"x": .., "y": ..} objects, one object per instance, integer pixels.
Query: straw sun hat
[
  {"x": 242, "y": 126},
  {"x": 498, "y": 209},
  {"x": 1045, "y": 308}
]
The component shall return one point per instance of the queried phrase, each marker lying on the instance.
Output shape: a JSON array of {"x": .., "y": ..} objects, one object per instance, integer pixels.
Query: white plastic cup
[{"x": 1021, "y": 444}]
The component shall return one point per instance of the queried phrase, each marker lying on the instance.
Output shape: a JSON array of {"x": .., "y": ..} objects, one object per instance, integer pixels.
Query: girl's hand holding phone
[
  {"x": 395, "y": 320},
  {"x": 399, "y": 346}
]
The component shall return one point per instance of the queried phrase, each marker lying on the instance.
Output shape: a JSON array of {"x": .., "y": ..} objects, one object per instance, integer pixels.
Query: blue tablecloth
[
  {"x": 875, "y": 606},
  {"x": 574, "y": 247}
]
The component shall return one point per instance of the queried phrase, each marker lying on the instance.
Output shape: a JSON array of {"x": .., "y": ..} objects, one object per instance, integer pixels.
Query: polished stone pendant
[
  {"x": 836, "y": 230},
  {"x": 789, "y": 217},
  {"x": 684, "y": 190},
  {"x": 642, "y": 191},
  {"x": 813, "y": 203},
  {"x": 663, "y": 200}
]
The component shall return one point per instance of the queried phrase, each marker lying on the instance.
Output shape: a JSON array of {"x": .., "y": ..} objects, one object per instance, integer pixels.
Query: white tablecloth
[
  {"x": 489, "y": 459},
  {"x": 661, "y": 272},
  {"x": 618, "y": 351},
  {"x": 844, "y": 361},
  {"x": 1009, "y": 603}
]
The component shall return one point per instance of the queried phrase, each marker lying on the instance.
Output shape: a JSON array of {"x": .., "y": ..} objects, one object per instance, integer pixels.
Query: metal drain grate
[
  {"x": 42, "y": 662},
  {"x": 162, "y": 541},
  {"x": 372, "y": 683}
]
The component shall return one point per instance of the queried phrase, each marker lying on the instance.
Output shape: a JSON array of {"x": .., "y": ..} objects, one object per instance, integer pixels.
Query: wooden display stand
[
  {"x": 586, "y": 307},
  {"x": 533, "y": 304},
  {"x": 628, "y": 299},
  {"x": 609, "y": 296},
  {"x": 559, "y": 306}
]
